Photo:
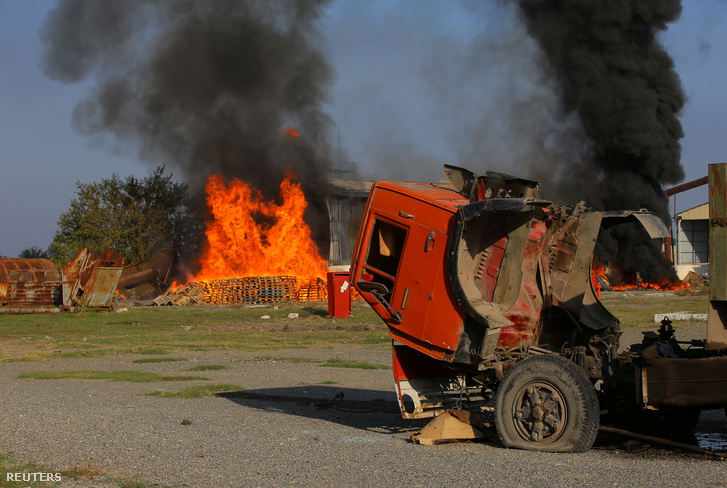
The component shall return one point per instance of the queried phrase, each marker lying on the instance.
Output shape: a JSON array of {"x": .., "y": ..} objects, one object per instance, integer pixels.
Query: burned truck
[{"x": 487, "y": 293}]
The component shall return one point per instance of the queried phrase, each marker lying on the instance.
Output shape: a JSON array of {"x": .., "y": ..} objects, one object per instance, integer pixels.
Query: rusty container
[
  {"x": 90, "y": 280},
  {"x": 29, "y": 286}
]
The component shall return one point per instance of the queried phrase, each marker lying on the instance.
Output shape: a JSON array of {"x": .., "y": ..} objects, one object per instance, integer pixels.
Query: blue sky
[{"x": 383, "y": 101}]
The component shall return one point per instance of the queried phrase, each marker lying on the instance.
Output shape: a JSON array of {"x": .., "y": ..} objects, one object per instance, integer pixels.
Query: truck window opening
[{"x": 385, "y": 248}]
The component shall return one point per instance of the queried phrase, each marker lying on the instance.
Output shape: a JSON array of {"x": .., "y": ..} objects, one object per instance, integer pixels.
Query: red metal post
[{"x": 339, "y": 295}]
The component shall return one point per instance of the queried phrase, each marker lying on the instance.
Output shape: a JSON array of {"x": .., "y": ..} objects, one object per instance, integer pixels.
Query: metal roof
[
  {"x": 700, "y": 212},
  {"x": 348, "y": 188}
]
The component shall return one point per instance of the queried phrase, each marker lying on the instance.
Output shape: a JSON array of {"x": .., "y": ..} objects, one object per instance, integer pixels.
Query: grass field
[
  {"x": 159, "y": 331},
  {"x": 637, "y": 308},
  {"x": 163, "y": 330}
]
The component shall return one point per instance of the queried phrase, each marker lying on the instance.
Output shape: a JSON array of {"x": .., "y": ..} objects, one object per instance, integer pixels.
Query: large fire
[
  {"x": 249, "y": 236},
  {"x": 599, "y": 275}
]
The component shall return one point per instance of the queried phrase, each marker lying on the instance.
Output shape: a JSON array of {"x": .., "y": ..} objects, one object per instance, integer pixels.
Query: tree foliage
[
  {"x": 34, "y": 252},
  {"x": 138, "y": 218}
]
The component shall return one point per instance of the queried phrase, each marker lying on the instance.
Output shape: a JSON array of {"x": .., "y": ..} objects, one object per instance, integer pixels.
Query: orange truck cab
[{"x": 487, "y": 294}]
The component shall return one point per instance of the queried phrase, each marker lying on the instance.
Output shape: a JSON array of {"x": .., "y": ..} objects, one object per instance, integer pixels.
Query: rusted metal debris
[
  {"x": 683, "y": 382},
  {"x": 695, "y": 280},
  {"x": 153, "y": 272},
  {"x": 29, "y": 285},
  {"x": 90, "y": 280},
  {"x": 37, "y": 286},
  {"x": 686, "y": 186}
]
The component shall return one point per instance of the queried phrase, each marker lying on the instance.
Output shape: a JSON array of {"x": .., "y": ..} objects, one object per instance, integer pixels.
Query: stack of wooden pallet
[
  {"x": 232, "y": 290},
  {"x": 182, "y": 295},
  {"x": 274, "y": 289},
  {"x": 313, "y": 291},
  {"x": 250, "y": 290},
  {"x": 265, "y": 289}
]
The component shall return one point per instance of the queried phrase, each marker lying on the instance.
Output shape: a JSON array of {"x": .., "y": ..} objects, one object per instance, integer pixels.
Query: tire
[{"x": 546, "y": 403}]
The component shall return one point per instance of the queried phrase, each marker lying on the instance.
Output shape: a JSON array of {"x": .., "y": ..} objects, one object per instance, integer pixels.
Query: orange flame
[
  {"x": 251, "y": 237},
  {"x": 292, "y": 134},
  {"x": 598, "y": 270}
]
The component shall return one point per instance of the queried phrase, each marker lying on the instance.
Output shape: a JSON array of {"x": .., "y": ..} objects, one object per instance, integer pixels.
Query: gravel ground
[{"x": 275, "y": 432}]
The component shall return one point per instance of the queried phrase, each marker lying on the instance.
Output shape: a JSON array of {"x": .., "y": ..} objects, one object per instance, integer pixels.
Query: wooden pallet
[
  {"x": 265, "y": 289},
  {"x": 182, "y": 295},
  {"x": 248, "y": 290},
  {"x": 313, "y": 291}
]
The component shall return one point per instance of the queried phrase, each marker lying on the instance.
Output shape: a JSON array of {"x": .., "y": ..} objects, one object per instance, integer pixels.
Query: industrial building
[{"x": 691, "y": 246}]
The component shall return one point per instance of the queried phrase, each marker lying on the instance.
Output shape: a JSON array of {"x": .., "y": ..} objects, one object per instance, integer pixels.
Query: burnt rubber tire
[{"x": 546, "y": 403}]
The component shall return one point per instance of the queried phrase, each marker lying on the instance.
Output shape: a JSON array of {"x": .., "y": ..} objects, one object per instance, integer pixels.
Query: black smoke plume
[
  {"x": 206, "y": 87},
  {"x": 203, "y": 86},
  {"x": 615, "y": 75}
]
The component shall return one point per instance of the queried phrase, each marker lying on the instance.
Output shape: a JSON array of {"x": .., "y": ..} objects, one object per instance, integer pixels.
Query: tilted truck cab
[{"x": 487, "y": 293}]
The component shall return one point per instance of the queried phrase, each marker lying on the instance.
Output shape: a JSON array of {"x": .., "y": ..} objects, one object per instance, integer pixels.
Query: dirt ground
[{"x": 292, "y": 422}]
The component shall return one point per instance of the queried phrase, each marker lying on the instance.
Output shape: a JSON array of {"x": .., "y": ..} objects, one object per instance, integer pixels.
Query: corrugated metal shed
[
  {"x": 345, "y": 200},
  {"x": 29, "y": 285},
  {"x": 692, "y": 241}
]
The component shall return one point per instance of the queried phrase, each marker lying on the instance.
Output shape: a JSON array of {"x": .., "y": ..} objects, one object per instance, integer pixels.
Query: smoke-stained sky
[
  {"x": 413, "y": 85},
  {"x": 202, "y": 87}
]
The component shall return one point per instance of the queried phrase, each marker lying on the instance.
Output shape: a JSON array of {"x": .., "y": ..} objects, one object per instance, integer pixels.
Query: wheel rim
[{"x": 539, "y": 412}]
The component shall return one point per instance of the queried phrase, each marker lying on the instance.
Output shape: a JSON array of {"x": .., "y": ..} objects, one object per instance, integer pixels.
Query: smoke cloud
[
  {"x": 573, "y": 93},
  {"x": 504, "y": 111},
  {"x": 612, "y": 72},
  {"x": 622, "y": 84},
  {"x": 205, "y": 87},
  {"x": 576, "y": 94}
]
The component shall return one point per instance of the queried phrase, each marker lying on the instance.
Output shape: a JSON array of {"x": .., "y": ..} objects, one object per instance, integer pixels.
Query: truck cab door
[{"x": 407, "y": 259}]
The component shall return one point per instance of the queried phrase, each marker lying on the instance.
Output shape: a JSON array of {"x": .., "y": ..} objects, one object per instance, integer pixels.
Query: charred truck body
[{"x": 487, "y": 294}]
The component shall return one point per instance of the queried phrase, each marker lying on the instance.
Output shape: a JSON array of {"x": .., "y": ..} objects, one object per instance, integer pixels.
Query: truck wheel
[{"x": 546, "y": 403}]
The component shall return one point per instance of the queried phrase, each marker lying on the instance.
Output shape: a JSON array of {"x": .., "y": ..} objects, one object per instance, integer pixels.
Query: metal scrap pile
[
  {"x": 33, "y": 285},
  {"x": 250, "y": 290}
]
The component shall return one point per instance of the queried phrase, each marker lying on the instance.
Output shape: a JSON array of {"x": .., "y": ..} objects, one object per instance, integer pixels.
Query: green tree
[
  {"x": 138, "y": 218},
  {"x": 34, "y": 252}
]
